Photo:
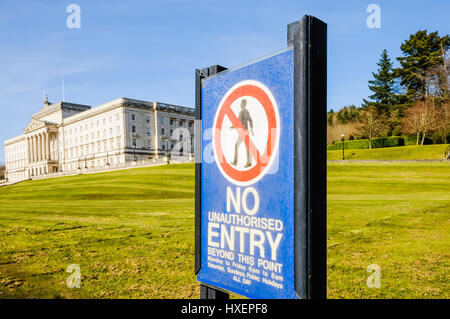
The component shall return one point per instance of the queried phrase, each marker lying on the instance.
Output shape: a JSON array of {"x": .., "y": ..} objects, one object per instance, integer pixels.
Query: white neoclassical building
[{"x": 65, "y": 137}]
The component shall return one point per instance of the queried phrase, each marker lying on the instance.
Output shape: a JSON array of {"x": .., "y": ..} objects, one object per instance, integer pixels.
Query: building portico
[{"x": 41, "y": 140}]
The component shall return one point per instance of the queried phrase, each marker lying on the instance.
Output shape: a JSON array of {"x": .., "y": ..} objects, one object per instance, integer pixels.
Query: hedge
[
  {"x": 412, "y": 139},
  {"x": 380, "y": 142}
]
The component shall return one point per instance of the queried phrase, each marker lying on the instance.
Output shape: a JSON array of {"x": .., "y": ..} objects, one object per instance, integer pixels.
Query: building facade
[{"x": 65, "y": 137}]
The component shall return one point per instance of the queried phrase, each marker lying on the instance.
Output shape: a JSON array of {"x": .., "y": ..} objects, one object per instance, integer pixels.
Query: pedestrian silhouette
[{"x": 246, "y": 120}]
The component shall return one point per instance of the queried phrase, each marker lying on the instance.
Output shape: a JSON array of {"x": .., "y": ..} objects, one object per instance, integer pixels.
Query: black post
[
  {"x": 309, "y": 39},
  {"x": 205, "y": 291},
  {"x": 343, "y": 148},
  {"x": 211, "y": 293}
]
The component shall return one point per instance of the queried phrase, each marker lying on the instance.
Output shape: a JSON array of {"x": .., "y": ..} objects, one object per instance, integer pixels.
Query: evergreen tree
[
  {"x": 421, "y": 52},
  {"x": 384, "y": 97}
]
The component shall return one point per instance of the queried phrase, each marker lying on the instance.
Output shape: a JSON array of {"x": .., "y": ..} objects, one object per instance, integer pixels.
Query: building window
[
  {"x": 162, "y": 121},
  {"x": 171, "y": 121},
  {"x": 162, "y": 131},
  {"x": 181, "y": 123},
  {"x": 148, "y": 131},
  {"x": 163, "y": 146},
  {"x": 133, "y": 129},
  {"x": 147, "y": 119},
  {"x": 134, "y": 142},
  {"x": 149, "y": 144},
  {"x": 190, "y": 123},
  {"x": 133, "y": 117}
]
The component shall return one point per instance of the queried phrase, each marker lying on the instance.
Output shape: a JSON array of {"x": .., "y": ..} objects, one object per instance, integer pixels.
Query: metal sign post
[{"x": 261, "y": 172}]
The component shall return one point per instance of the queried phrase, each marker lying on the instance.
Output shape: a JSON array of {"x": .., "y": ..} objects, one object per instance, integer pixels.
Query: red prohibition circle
[{"x": 262, "y": 160}]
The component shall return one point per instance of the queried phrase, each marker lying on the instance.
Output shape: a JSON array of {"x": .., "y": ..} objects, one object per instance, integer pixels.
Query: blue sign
[{"x": 247, "y": 180}]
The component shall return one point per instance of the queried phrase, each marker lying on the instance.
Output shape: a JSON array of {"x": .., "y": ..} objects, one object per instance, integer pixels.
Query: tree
[
  {"x": 384, "y": 97},
  {"x": 372, "y": 124},
  {"x": 442, "y": 131},
  {"x": 421, "y": 119},
  {"x": 394, "y": 122},
  {"x": 437, "y": 82},
  {"x": 421, "y": 51},
  {"x": 330, "y": 116},
  {"x": 347, "y": 114}
]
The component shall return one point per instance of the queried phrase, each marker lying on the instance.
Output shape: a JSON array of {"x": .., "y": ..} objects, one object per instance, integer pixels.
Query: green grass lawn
[
  {"x": 132, "y": 232},
  {"x": 413, "y": 152},
  {"x": 396, "y": 216}
]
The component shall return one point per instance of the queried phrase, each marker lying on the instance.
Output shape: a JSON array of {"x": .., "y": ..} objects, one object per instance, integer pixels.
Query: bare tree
[
  {"x": 436, "y": 82},
  {"x": 443, "y": 121},
  {"x": 372, "y": 124},
  {"x": 421, "y": 119}
]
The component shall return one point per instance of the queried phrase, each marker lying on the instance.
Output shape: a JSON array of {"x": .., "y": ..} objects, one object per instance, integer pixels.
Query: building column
[
  {"x": 39, "y": 146},
  {"x": 28, "y": 150},
  {"x": 48, "y": 145},
  {"x": 44, "y": 148},
  {"x": 34, "y": 148}
]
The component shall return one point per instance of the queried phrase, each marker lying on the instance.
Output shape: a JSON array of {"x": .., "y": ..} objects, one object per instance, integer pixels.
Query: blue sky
[{"x": 149, "y": 49}]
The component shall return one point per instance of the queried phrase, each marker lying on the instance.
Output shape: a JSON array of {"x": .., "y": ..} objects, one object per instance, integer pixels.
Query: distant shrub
[
  {"x": 412, "y": 140},
  {"x": 391, "y": 141}
]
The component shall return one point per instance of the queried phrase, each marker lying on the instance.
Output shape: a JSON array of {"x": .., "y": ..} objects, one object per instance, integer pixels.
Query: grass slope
[
  {"x": 413, "y": 152},
  {"x": 396, "y": 216},
  {"x": 132, "y": 232}
]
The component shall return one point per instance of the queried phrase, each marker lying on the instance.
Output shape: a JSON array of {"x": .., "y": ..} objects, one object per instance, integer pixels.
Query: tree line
[
  {"x": 2, "y": 172},
  {"x": 412, "y": 99}
]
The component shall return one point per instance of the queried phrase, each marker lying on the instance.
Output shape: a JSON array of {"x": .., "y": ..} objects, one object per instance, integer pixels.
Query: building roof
[{"x": 51, "y": 108}]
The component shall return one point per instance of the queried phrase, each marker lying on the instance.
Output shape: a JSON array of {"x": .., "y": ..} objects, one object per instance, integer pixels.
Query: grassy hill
[
  {"x": 413, "y": 152},
  {"x": 132, "y": 232}
]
